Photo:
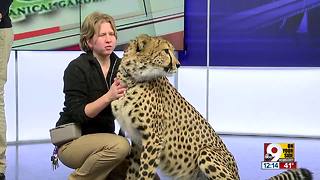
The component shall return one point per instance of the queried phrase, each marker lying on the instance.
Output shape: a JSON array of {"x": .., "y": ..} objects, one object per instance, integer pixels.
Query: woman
[{"x": 90, "y": 86}]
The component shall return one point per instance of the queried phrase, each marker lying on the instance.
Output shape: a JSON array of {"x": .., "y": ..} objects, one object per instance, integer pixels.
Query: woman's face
[{"x": 104, "y": 40}]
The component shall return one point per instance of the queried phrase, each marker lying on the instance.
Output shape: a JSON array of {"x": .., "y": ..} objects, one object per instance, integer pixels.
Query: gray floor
[{"x": 32, "y": 161}]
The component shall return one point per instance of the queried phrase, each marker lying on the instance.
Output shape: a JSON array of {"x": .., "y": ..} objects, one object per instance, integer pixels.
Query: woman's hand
[{"x": 116, "y": 90}]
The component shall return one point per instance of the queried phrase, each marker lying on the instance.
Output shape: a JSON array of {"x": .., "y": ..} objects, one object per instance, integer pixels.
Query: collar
[{"x": 92, "y": 59}]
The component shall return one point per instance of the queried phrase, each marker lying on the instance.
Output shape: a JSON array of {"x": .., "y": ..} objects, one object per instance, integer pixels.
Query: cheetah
[{"x": 166, "y": 131}]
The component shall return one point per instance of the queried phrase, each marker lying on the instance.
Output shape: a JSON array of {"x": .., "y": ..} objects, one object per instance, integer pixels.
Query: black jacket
[
  {"x": 4, "y": 9},
  {"x": 84, "y": 82}
]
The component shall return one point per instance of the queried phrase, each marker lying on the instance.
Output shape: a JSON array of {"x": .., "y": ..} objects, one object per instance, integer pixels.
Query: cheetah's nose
[{"x": 178, "y": 65}]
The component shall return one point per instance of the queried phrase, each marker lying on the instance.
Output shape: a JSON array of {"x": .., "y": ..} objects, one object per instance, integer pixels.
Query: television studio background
[{"x": 250, "y": 67}]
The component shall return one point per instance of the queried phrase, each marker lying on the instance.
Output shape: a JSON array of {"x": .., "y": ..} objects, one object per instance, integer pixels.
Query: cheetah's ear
[
  {"x": 142, "y": 41},
  {"x": 131, "y": 48}
]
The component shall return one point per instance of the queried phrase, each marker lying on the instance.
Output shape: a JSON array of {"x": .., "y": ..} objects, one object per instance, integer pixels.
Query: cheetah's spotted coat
[{"x": 166, "y": 131}]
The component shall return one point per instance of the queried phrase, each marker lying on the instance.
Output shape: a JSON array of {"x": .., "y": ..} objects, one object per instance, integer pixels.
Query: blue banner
[{"x": 276, "y": 33}]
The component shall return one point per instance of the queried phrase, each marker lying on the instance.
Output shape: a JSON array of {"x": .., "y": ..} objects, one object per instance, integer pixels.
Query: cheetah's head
[{"x": 147, "y": 58}]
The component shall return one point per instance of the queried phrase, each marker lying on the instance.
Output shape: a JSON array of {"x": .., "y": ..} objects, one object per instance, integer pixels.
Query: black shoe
[{"x": 2, "y": 176}]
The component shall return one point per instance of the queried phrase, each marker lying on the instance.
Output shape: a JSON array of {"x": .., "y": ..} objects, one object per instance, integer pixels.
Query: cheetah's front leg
[
  {"x": 150, "y": 157},
  {"x": 134, "y": 158},
  {"x": 217, "y": 164}
]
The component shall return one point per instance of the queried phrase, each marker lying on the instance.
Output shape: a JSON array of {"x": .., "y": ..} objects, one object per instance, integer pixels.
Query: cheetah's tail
[{"x": 296, "y": 174}]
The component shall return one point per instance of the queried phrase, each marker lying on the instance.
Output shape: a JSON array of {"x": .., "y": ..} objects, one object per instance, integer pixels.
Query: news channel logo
[{"x": 279, "y": 156}]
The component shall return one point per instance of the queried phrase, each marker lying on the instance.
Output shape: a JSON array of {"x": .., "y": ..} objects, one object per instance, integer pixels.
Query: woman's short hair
[{"x": 90, "y": 25}]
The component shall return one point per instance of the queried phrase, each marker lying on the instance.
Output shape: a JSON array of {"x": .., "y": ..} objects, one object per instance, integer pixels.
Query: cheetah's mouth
[{"x": 171, "y": 69}]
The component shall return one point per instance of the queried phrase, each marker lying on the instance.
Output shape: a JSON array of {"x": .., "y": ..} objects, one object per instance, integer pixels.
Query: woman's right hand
[{"x": 116, "y": 90}]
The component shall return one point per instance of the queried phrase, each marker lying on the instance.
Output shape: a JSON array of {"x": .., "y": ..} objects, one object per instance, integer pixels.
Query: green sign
[{"x": 20, "y": 9}]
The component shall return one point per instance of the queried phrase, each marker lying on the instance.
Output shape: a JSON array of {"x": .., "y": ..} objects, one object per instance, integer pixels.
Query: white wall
[
  {"x": 34, "y": 93},
  {"x": 270, "y": 101},
  {"x": 266, "y": 101},
  {"x": 10, "y": 99},
  {"x": 40, "y": 96},
  {"x": 192, "y": 84}
]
